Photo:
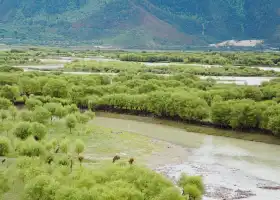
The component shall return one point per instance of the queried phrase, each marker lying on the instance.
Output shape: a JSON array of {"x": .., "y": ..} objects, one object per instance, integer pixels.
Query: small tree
[
  {"x": 72, "y": 108},
  {"x": 4, "y": 184},
  {"x": 10, "y": 92},
  {"x": 41, "y": 114},
  {"x": 41, "y": 187},
  {"x": 64, "y": 146},
  {"x": 192, "y": 192},
  {"x": 5, "y": 146},
  {"x": 90, "y": 114},
  {"x": 82, "y": 118},
  {"x": 13, "y": 111},
  {"x": 31, "y": 103},
  {"x": 5, "y": 103},
  {"x": 60, "y": 112},
  {"x": 31, "y": 148},
  {"x": 22, "y": 130},
  {"x": 71, "y": 122},
  {"x": 79, "y": 146},
  {"x": 51, "y": 107},
  {"x": 3, "y": 114},
  {"x": 26, "y": 115},
  {"x": 38, "y": 130}
]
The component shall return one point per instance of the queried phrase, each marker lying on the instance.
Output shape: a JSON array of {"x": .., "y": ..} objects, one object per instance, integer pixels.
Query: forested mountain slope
[{"x": 140, "y": 23}]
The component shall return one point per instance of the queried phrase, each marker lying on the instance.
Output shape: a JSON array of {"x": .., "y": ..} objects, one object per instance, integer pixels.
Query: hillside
[{"x": 139, "y": 23}]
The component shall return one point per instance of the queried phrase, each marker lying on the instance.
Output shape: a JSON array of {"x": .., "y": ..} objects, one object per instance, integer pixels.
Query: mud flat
[{"x": 232, "y": 169}]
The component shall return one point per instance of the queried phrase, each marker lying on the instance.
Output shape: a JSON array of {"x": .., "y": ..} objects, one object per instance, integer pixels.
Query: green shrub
[
  {"x": 192, "y": 192},
  {"x": 5, "y": 146},
  {"x": 64, "y": 146},
  {"x": 38, "y": 130},
  {"x": 5, "y": 103},
  {"x": 22, "y": 130},
  {"x": 71, "y": 122},
  {"x": 79, "y": 146},
  {"x": 26, "y": 115},
  {"x": 31, "y": 103},
  {"x": 191, "y": 180},
  {"x": 31, "y": 148}
]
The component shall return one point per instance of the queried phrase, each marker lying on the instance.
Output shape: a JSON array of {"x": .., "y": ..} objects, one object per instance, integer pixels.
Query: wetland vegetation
[{"x": 50, "y": 138}]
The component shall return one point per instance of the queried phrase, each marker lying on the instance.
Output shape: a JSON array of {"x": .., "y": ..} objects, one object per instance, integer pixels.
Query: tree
[
  {"x": 60, "y": 112},
  {"x": 56, "y": 88},
  {"x": 82, "y": 118},
  {"x": 79, "y": 146},
  {"x": 4, "y": 115},
  {"x": 72, "y": 108},
  {"x": 71, "y": 122},
  {"x": 42, "y": 187},
  {"x": 64, "y": 146},
  {"x": 220, "y": 113},
  {"x": 10, "y": 92},
  {"x": 13, "y": 112},
  {"x": 274, "y": 125},
  {"x": 5, "y": 103},
  {"x": 31, "y": 148},
  {"x": 5, "y": 146},
  {"x": 38, "y": 130},
  {"x": 31, "y": 103},
  {"x": 4, "y": 184},
  {"x": 29, "y": 86},
  {"x": 22, "y": 130},
  {"x": 41, "y": 115},
  {"x": 26, "y": 115},
  {"x": 51, "y": 107}
]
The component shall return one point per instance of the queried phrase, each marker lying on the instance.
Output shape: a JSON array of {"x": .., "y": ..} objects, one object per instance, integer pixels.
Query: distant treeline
[{"x": 211, "y": 58}]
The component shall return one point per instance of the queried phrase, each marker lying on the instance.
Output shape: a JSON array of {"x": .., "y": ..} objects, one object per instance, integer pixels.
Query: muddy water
[{"x": 232, "y": 169}]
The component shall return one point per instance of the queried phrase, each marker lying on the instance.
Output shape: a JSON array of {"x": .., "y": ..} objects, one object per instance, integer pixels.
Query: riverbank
[{"x": 255, "y": 136}]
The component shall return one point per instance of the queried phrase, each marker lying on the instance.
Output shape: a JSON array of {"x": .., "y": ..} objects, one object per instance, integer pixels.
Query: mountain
[{"x": 139, "y": 23}]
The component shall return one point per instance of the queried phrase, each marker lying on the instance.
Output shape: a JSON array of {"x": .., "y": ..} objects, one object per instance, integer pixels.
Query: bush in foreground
[{"x": 5, "y": 146}]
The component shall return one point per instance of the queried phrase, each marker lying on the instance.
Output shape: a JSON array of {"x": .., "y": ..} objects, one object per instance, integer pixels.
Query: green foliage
[
  {"x": 41, "y": 114},
  {"x": 60, "y": 111},
  {"x": 64, "y": 146},
  {"x": 31, "y": 148},
  {"x": 5, "y": 146},
  {"x": 5, "y": 103},
  {"x": 192, "y": 192},
  {"x": 13, "y": 112},
  {"x": 56, "y": 88},
  {"x": 274, "y": 125},
  {"x": 71, "y": 122},
  {"x": 82, "y": 118},
  {"x": 10, "y": 92},
  {"x": 26, "y": 115},
  {"x": 38, "y": 130},
  {"x": 22, "y": 130},
  {"x": 4, "y": 115},
  {"x": 79, "y": 146},
  {"x": 31, "y": 103},
  {"x": 191, "y": 180},
  {"x": 43, "y": 187}
]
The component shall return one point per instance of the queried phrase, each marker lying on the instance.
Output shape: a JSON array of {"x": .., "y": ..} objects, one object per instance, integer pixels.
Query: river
[
  {"x": 231, "y": 168},
  {"x": 58, "y": 64}
]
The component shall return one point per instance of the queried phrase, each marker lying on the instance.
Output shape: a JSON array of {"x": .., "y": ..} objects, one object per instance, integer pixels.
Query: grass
[{"x": 256, "y": 137}]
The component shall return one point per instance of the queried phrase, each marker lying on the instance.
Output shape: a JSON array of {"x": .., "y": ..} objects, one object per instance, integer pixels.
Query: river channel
[{"x": 231, "y": 168}]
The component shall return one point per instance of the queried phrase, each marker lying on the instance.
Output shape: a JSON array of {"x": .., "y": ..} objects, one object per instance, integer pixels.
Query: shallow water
[
  {"x": 230, "y": 167},
  {"x": 239, "y": 80}
]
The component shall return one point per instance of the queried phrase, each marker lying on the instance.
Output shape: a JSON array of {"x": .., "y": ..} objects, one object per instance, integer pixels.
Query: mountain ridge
[{"x": 140, "y": 23}]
